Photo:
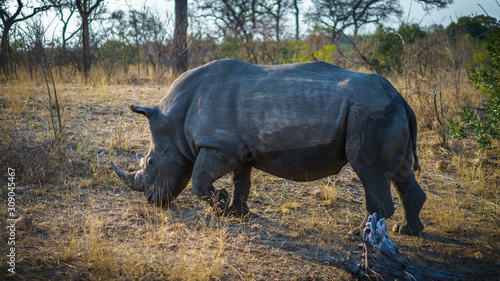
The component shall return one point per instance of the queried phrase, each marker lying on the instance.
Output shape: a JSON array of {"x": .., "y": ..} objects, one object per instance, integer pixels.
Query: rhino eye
[{"x": 150, "y": 161}]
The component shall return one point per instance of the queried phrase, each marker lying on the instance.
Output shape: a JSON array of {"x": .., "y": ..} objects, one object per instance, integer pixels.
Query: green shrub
[
  {"x": 386, "y": 50},
  {"x": 483, "y": 125}
]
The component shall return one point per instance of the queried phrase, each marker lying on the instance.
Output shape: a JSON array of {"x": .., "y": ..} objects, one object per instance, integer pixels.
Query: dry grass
[{"x": 87, "y": 225}]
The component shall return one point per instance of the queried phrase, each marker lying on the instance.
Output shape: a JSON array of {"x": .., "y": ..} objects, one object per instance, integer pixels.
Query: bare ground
[{"x": 87, "y": 225}]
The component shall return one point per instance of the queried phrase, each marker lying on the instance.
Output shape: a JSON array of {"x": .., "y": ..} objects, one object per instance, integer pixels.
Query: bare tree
[
  {"x": 236, "y": 18},
  {"x": 151, "y": 35},
  {"x": 69, "y": 7},
  {"x": 156, "y": 39},
  {"x": 86, "y": 8},
  {"x": 34, "y": 44},
  {"x": 232, "y": 17},
  {"x": 180, "y": 37},
  {"x": 135, "y": 20},
  {"x": 21, "y": 13},
  {"x": 276, "y": 10},
  {"x": 338, "y": 15}
]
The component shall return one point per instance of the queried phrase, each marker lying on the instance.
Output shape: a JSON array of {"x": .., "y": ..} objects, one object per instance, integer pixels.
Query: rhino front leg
[
  {"x": 210, "y": 165},
  {"x": 242, "y": 183}
]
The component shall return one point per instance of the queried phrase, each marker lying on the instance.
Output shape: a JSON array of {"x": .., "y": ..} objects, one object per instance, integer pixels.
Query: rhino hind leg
[
  {"x": 212, "y": 164},
  {"x": 412, "y": 198},
  {"x": 378, "y": 197},
  {"x": 242, "y": 183}
]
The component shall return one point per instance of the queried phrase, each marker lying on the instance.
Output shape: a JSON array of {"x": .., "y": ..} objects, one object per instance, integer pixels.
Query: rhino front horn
[{"x": 128, "y": 178}]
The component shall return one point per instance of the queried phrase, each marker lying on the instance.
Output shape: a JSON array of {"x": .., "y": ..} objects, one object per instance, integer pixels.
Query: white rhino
[{"x": 300, "y": 122}]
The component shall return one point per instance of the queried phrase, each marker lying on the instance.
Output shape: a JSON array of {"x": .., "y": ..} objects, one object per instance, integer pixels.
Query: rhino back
[{"x": 283, "y": 119}]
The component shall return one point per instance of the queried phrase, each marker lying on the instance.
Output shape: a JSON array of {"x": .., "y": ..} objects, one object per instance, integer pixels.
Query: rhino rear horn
[
  {"x": 140, "y": 158},
  {"x": 127, "y": 178},
  {"x": 146, "y": 111}
]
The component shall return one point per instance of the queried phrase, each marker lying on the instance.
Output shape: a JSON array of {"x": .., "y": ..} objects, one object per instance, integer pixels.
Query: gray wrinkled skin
[{"x": 300, "y": 122}]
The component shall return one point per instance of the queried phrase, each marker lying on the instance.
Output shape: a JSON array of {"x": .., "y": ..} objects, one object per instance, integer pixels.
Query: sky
[{"x": 415, "y": 13}]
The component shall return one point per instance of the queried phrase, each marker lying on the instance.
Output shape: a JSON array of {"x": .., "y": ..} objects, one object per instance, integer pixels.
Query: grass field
[{"x": 86, "y": 225}]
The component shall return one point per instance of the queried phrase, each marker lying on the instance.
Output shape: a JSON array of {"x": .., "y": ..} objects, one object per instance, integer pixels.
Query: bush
[
  {"x": 484, "y": 125},
  {"x": 478, "y": 27},
  {"x": 386, "y": 49}
]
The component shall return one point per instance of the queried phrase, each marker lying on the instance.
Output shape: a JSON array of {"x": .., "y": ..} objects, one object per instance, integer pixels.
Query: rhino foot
[
  {"x": 406, "y": 228},
  {"x": 241, "y": 211}
]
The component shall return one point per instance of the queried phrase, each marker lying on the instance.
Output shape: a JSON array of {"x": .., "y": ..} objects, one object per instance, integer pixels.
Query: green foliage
[
  {"x": 301, "y": 51},
  {"x": 231, "y": 47},
  {"x": 307, "y": 51},
  {"x": 485, "y": 126},
  {"x": 478, "y": 27},
  {"x": 388, "y": 46},
  {"x": 113, "y": 54},
  {"x": 411, "y": 33},
  {"x": 327, "y": 53}
]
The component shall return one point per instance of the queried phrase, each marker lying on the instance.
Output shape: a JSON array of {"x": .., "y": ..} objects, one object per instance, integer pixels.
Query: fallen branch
[
  {"x": 49, "y": 142},
  {"x": 477, "y": 108},
  {"x": 380, "y": 261}
]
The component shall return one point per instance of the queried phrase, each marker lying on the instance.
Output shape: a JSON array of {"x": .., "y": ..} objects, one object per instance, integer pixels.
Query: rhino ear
[
  {"x": 146, "y": 111},
  {"x": 140, "y": 158}
]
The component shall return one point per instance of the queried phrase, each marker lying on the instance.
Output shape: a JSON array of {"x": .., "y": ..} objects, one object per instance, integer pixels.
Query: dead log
[{"x": 379, "y": 259}]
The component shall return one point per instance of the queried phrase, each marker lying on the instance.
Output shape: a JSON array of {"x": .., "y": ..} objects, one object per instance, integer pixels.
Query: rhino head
[{"x": 164, "y": 172}]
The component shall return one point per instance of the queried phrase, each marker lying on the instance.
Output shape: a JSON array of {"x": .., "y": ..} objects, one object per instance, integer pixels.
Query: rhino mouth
[{"x": 129, "y": 179}]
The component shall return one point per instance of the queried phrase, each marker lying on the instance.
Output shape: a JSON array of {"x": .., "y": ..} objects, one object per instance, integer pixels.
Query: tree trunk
[
  {"x": 4, "y": 46},
  {"x": 297, "y": 36},
  {"x": 138, "y": 58},
  {"x": 7, "y": 25},
  {"x": 85, "y": 10},
  {"x": 180, "y": 37},
  {"x": 278, "y": 18},
  {"x": 297, "y": 14},
  {"x": 85, "y": 42}
]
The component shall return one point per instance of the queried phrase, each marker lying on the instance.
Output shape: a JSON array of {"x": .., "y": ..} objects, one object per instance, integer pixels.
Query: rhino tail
[{"x": 412, "y": 122}]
